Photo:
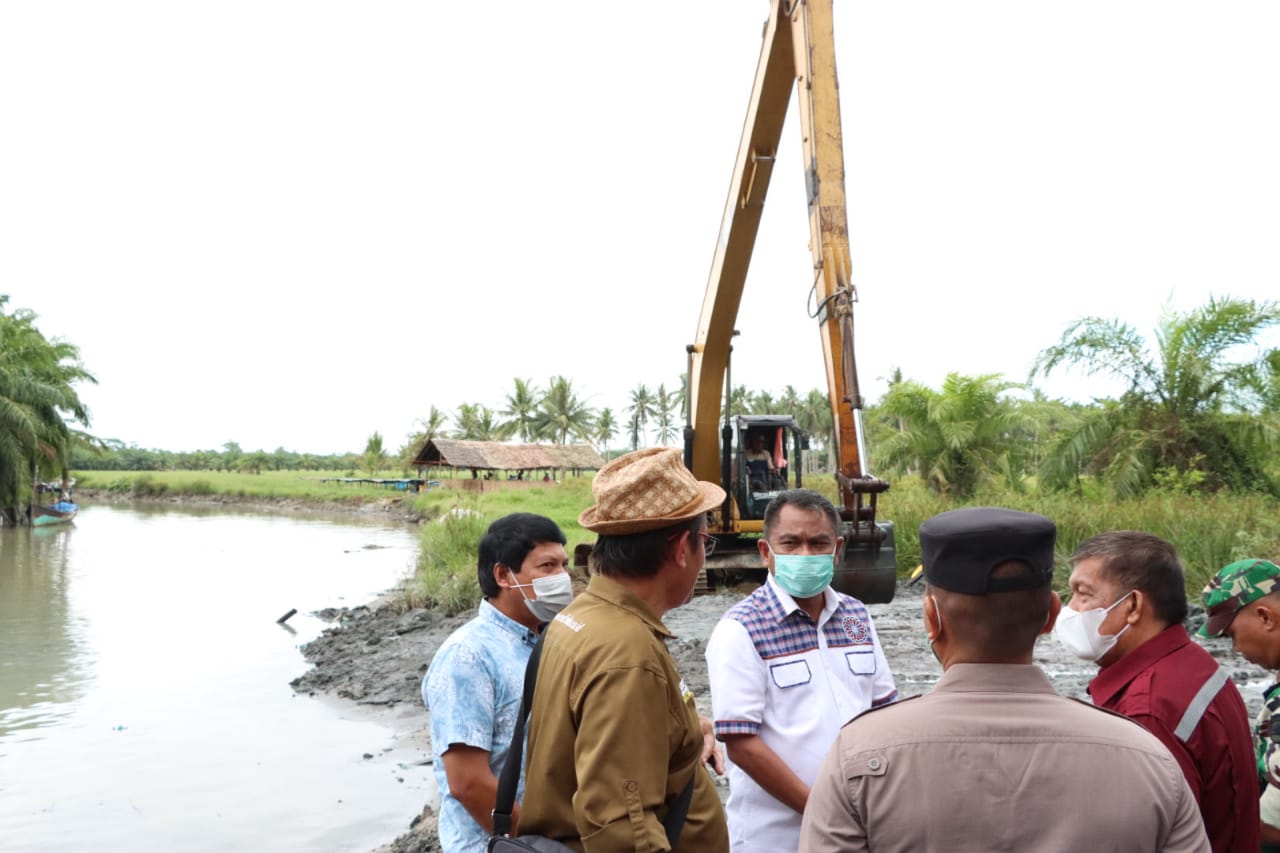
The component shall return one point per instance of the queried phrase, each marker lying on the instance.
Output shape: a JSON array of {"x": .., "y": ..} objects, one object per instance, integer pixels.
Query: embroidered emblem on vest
[{"x": 855, "y": 630}]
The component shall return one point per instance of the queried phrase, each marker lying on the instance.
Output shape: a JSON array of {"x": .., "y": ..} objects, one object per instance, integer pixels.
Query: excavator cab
[{"x": 767, "y": 460}]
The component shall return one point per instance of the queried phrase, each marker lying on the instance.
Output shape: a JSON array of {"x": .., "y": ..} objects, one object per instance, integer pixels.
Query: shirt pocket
[
  {"x": 862, "y": 661},
  {"x": 790, "y": 674}
]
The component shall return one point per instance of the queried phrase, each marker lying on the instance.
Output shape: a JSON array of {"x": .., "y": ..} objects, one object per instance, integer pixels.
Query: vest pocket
[
  {"x": 790, "y": 674},
  {"x": 861, "y": 663}
]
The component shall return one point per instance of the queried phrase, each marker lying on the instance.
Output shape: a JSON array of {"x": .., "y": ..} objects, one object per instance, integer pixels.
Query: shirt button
[{"x": 873, "y": 764}]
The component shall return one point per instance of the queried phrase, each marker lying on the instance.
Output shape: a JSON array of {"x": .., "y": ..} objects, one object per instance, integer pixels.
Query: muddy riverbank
[{"x": 376, "y": 655}]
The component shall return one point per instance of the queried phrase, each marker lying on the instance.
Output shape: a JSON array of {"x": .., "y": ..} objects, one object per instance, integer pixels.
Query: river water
[{"x": 144, "y": 686}]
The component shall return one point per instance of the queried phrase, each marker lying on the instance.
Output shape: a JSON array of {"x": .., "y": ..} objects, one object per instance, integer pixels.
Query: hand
[{"x": 711, "y": 754}]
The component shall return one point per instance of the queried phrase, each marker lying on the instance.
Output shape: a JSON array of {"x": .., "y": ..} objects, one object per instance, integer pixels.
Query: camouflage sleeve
[{"x": 1268, "y": 744}]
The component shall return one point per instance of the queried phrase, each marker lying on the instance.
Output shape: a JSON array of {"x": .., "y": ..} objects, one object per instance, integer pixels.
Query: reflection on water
[
  {"x": 144, "y": 698},
  {"x": 43, "y": 667}
]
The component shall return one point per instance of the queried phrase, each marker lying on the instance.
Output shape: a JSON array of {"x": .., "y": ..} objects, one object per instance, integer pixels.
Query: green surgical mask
[{"x": 803, "y": 575}]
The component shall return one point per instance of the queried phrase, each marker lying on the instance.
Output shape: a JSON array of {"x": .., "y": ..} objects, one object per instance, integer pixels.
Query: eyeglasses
[{"x": 708, "y": 543}]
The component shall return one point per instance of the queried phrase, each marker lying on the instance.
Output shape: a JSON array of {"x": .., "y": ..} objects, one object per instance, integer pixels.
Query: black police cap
[{"x": 960, "y": 548}]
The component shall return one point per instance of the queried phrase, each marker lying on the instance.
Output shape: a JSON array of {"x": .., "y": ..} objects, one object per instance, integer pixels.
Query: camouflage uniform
[{"x": 1234, "y": 587}]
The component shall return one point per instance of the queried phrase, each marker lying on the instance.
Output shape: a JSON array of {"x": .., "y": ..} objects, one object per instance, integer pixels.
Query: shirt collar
[
  {"x": 1112, "y": 680},
  {"x": 783, "y": 605},
  {"x": 494, "y": 616},
  {"x": 993, "y": 677},
  {"x": 618, "y": 595}
]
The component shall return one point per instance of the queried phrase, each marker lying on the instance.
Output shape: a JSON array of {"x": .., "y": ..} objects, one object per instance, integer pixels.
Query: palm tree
[
  {"x": 789, "y": 402},
  {"x": 522, "y": 409},
  {"x": 606, "y": 429},
  {"x": 641, "y": 411},
  {"x": 664, "y": 410},
  {"x": 561, "y": 414},
  {"x": 433, "y": 424},
  {"x": 1191, "y": 403},
  {"x": 39, "y": 407},
  {"x": 815, "y": 418},
  {"x": 375, "y": 456},
  {"x": 429, "y": 428},
  {"x": 955, "y": 436},
  {"x": 480, "y": 423}
]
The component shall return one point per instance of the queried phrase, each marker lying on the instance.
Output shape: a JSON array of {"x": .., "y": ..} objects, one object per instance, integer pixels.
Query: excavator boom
[{"x": 798, "y": 54}]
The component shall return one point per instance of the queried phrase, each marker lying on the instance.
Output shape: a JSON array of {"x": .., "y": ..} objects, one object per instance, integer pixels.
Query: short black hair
[
  {"x": 806, "y": 499},
  {"x": 640, "y": 554},
  {"x": 998, "y": 626},
  {"x": 1141, "y": 561},
  {"x": 508, "y": 541}
]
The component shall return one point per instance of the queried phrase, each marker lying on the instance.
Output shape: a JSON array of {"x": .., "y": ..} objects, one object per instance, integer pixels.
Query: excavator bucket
[{"x": 869, "y": 570}]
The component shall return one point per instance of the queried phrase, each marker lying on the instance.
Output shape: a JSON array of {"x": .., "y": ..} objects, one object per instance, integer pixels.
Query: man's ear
[
  {"x": 1139, "y": 602},
  {"x": 1055, "y": 607},
  {"x": 501, "y": 571},
  {"x": 1267, "y": 616},
  {"x": 762, "y": 545}
]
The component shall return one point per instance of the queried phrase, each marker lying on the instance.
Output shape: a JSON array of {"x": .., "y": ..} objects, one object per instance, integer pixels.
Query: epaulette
[
  {"x": 879, "y": 708},
  {"x": 1116, "y": 714}
]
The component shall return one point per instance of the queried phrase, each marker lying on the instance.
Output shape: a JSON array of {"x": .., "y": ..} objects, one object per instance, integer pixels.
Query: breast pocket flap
[
  {"x": 790, "y": 674},
  {"x": 862, "y": 662}
]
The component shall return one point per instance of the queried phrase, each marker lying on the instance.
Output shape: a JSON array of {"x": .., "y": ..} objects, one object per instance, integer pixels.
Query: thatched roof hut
[{"x": 496, "y": 456}]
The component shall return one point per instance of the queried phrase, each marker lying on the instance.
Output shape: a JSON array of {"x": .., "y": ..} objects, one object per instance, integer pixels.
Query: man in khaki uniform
[
  {"x": 992, "y": 758},
  {"x": 614, "y": 737}
]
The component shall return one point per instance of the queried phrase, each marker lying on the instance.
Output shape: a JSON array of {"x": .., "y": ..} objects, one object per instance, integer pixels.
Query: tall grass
[
  {"x": 445, "y": 578},
  {"x": 1209, "y": 531}
]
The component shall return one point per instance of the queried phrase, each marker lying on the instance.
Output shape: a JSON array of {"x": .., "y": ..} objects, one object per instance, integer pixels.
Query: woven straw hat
[{"x": 647, "y": 490}]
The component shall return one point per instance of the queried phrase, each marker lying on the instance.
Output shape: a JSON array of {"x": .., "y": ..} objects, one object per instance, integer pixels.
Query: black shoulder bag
[{"x": 501, "y": 840}]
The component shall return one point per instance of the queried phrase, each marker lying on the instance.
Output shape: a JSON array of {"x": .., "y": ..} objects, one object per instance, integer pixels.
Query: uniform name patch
[{"x": 569, "y": 622}]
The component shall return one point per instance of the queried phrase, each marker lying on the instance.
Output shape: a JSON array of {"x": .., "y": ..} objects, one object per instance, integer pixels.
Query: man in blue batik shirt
[{"x": 474, "y": 684}]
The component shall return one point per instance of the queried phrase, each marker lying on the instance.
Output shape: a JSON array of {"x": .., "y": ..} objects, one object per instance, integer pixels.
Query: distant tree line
[
  {"x": 118, "y": 456},
  {"x": 1200, "y": 412}
]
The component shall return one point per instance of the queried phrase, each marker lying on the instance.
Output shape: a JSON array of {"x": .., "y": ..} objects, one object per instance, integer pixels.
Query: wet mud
[{"x": 376, "y": 655}]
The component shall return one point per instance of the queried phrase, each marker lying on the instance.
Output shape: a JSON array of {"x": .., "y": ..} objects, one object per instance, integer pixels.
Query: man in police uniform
[
  {"x": 991, "y": 758},
  {"x": 614, "y": 738},
  {"x": 1243, "y": 602},
  {"x": 1128, "y": 601}
]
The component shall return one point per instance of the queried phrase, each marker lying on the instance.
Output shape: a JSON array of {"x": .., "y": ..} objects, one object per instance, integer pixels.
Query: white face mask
[
  {"x": 1078, "y": 632},
  {"x": 554, "y": 592}
]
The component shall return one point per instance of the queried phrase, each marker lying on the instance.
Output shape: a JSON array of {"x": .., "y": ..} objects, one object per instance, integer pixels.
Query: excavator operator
[{"x": 760, "y": 470}]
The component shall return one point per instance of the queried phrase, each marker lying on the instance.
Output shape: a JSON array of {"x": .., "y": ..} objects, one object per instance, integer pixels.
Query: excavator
[{"x": 755, "y": 456}]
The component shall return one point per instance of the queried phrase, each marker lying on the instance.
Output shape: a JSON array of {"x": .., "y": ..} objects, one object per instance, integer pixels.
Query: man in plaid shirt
[{"x": 789, "y": 665}]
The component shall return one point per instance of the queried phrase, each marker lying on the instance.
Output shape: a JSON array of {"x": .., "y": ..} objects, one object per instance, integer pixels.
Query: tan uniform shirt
[
  {"x": 614, "y": 735},
  {"x": 993, "y": 759}
]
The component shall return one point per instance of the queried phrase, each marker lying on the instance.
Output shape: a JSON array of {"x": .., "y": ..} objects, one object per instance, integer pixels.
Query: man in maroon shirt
[{"x": 1128, "y": 601}]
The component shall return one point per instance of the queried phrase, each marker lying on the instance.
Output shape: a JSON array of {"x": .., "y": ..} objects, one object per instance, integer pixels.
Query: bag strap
[
  {"x": 510, "y": 778},
  {"x": 672, "y": 824}
]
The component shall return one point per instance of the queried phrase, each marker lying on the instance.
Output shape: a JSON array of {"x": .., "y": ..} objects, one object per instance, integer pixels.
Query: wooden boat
[{"x": 61, "y": 512}]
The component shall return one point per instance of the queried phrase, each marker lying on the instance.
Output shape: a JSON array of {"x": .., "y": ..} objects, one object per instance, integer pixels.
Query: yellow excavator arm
[{"x": 798, "y": 53}]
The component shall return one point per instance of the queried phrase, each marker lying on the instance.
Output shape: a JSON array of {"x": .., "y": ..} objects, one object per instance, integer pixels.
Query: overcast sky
[{"x": 291, "y": 223}]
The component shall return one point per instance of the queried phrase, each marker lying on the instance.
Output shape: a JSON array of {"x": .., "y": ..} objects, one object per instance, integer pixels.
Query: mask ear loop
[
  {"x": 937, "y": 615},
  {"x": 515, "y": 584}
]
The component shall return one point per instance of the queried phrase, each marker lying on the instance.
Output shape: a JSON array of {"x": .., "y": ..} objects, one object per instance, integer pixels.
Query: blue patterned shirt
[{"x": 473, "y": 689}]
